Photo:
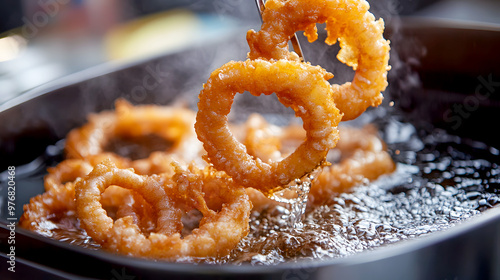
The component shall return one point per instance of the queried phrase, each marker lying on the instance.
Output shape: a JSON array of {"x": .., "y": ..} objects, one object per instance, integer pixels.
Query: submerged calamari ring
[
  {"x": 58, "y": 200},
  {"x": 297, "y": 85},
  {"x": 364, "y": 159},
  {"x": 225, "y": 208},
  {"x": 360, "y": 157},
  {"x": 174, "y": 125},
  {"x": 363, "y": 46}
]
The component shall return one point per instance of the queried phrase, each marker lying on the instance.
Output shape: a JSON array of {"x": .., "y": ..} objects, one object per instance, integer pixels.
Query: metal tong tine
[{"x": 295, "y": 42}]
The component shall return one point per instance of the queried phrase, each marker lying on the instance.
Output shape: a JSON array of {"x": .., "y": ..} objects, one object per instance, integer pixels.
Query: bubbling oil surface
[{"x": 440, "y": 180}]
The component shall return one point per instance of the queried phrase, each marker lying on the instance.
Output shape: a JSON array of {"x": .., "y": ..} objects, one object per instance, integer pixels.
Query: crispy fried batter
[
  {"x": 298, "y": 85},
  {"x": 363, "y": 46},
  {"x": 173, "y": 125},
  {"x": 220, "y": 229}
]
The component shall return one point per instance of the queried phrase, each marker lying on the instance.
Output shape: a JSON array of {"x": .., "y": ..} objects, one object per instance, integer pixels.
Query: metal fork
[{"x": 295, "y": 42}]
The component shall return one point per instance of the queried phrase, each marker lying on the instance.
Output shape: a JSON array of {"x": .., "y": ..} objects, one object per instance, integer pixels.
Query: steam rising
[
  {"x": 177, "y": 78},
  {"x": 405, "y": 54}
]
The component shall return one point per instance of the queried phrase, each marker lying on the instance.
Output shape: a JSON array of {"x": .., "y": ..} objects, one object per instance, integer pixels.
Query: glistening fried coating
[
  {"x": 298, "y": 85},
  {"x": 364, "y": 158},
  {"x": 363, "y": 46},
  {"x": 58, "y": 201},
  {"x": 360, "y": 156},
  {"x": 225, "y": 208}
]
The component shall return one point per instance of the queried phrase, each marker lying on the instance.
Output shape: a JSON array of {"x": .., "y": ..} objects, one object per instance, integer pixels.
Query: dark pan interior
[
  {"x": 458, "y": 73},
  {"x": 457, "y": 89}
]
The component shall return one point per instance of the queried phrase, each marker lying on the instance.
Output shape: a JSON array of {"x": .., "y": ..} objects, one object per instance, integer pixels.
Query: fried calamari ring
[
  {"x": 173, "y": 125},
  {"x": 364, "y": 159},
  {"x": 59, "y": 198},
  {"x": 363, "y": 46},
  {"x": 298, "y": 85},
  {"x": 360, "y": 156},
  {"x": 225, "y": 208}
]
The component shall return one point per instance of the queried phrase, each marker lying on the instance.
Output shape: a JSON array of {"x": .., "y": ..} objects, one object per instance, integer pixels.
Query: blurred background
[{"x": 43, "y": 40}]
